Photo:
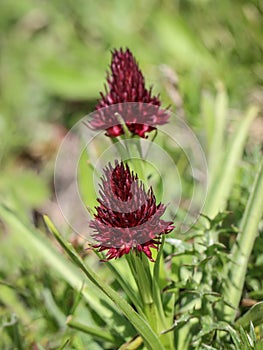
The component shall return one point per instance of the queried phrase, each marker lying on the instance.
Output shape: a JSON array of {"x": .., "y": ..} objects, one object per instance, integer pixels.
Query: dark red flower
[
  {"x": 139, "y": 109},
  {"x": 127, "y": 217}
]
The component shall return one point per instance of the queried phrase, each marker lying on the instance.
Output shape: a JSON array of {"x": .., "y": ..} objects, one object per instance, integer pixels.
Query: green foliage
[{"x": 53, "y": 59}]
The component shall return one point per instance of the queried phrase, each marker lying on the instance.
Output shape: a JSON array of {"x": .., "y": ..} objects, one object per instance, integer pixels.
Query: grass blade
[
  {"x": 221, "y": 186},
  {"x": 254, "y": 315},
  {"x": 96, "y": 332},
  {"x": 245, "y": 241},
  {"x": 219, "y": 131},
  {"x": 64, "y": 344}
]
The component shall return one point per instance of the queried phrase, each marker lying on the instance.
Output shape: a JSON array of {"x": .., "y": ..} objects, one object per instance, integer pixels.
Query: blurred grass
[{"x": 52, "y": 67}]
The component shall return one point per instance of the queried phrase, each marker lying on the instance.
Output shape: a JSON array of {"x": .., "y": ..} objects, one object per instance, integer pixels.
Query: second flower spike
[{"x": 127, "y": 98}]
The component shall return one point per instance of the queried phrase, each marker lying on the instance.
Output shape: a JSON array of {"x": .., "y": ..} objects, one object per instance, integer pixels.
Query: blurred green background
[
  {"x": 53, "y": 61},
  {"x": 54, "y": 55}
]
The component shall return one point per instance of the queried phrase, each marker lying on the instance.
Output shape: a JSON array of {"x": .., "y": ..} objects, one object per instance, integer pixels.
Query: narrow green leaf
[
  {"x": 252, "y": 333},
  {"x": 77, "y": 300},
  {"x": 245, "y": 339},
  {"x": 254, "y": 315},
  {"x": 237, "y": 267},
  {"x": 221, "y": 104},
  {"x": 234, "y": 335},
  {"x": 53, "y": 308},
  {"x": 207, "y": 111},
  {"x": 219, "y": 132},
  {"x": 64, "y": 344},
  {"x": 223, "y": 181},
  {"x": 96, "y": 332}
]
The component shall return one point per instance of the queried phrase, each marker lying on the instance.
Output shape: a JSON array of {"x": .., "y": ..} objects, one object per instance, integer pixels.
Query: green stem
[
  {"x": 140, "y": 269},
  {"x": 121, "y": 149},
  {"x": 133, "y": 147},
  {"x": 163, "y": 321},
  {"x": 138, "y": 263},
  {"x": 144, "y": 277}
]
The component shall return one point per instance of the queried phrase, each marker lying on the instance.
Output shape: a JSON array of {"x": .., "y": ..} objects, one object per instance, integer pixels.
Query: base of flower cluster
[{"x": 114, "y": 253}]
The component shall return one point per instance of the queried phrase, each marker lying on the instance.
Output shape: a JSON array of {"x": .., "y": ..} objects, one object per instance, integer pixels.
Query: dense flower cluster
[
  {"x": 128, "y": 97},
  {"x": 127, "y": 217}
]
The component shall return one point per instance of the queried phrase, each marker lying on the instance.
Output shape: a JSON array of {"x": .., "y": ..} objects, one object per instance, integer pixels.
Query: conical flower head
[
  {"x": 127, "y": 217},
  {"x": 128, "y": 97}
]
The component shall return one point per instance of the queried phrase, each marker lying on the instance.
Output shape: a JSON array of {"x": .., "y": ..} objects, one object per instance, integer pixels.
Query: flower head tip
[{"x": 128, "y": 97}]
